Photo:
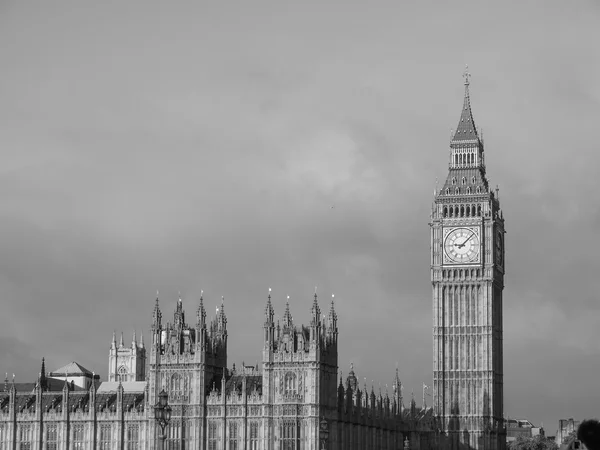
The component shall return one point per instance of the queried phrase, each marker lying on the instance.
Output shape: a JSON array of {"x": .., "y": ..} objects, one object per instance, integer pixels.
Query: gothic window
[
  {"x": 4, "y": 437},
  {"x": 445, "y": 211},
  {"x": 253, "y": 436},
  {"x": 473, "y": 180},
  {"x": 478, "y": 210},
  {"x": 456, "y": 159},
  {"x": 104, "y": 440},
  {"x": 478, "y": 189},
  {"x": 457, "y": 191},
  {"x": 78, "y": 436},
  {"x": 462, "y": 211},
  {"x": 290, "y": 383},
  {"x": 178, "y": 386},
  {"x": 464, "y": 180},
  {"x": 213, "y": 436},
  {"x": 24, "y": 436},
  {"x": 133, "y": 435},
  {"x": 468, "y": 190},
  {"x": 287, "y": 434},
  {"x": 447, "y": 191},
  {"x": 468, "y": 207},
  {"x": 122, "y": 374},
  {"x": 453, "y": 180},
  {"x": 51, "y": 437},
  {"x": 233, "y": 436},
  {"x": 173, "y": 435}
]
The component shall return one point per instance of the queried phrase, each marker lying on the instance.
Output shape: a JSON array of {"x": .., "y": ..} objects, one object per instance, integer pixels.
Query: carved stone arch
[{"x": 122, "y": 374}]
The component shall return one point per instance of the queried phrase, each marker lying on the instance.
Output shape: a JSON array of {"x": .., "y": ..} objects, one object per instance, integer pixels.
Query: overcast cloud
[{"x": 183, "y": 146}]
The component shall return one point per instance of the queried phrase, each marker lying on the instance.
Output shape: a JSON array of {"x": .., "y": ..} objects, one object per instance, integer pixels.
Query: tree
[
  {"x": 533, "y": 443},
  {"x": 569, "y": 438}
]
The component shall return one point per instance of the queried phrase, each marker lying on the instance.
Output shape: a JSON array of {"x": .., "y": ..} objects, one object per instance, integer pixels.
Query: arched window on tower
[
  {"x": 468, "y": 207},
  {"x": 445, "y": 211},
  {"x": 473, "y": 180},
  {"x": 122, "y": 374},
  {"x": 290, "y": 387},
  {"x": 478, "y": 189},
  {"x": 178, "y": 386},
  {"x": 464, "y": 180},
  {"x": 457, "y": 191},
  {"x": 456, "y": 160},
  {"x": 468, "y": 190},
  {"x": 478, "y": 210},
  {"x": 453, "y": 180},
  {"x": 447, "y": 191},
  {"x": 462, "y": 211}
]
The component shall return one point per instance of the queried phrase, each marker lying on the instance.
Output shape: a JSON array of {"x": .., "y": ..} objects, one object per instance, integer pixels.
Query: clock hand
[{"x": 466, "y": 240}]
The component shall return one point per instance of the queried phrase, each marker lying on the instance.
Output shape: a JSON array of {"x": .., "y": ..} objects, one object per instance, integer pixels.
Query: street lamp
[
  {"x": 323, "y": 433},
  {"x": 162, "y": 414}
]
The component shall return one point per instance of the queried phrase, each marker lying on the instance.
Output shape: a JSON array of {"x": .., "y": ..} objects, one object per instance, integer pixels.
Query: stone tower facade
[
  {"x": 300, "y": 366},
  {"x": 127, "y": 363},
  {"x": 467, "y": 275},
  {"x": 185, "y": 360}
]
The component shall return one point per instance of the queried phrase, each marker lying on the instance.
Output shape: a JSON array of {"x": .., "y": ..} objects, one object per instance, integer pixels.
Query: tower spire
[{"x": 466, "y": 130}]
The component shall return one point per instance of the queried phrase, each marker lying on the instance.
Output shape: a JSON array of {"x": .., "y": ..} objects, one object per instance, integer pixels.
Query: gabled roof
[
  {"x": 128, "y": 386},
  {"x": 72, "y": 369}
]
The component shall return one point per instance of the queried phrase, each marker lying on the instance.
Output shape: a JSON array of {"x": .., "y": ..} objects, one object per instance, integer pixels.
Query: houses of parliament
[{"x": 281, "y": 403}]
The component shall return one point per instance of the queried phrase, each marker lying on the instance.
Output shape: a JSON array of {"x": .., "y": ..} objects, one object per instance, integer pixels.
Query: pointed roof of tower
[
  {"x": 287, "y": 316},
  {"x": 269, "y": 308},
  {"x": 201, "y": 312},
  {"x": 466, "y": 130},
  {"x": 315, "y": 310}
]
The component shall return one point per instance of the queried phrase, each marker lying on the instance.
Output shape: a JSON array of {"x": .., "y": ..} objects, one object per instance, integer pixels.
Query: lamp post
[
  {"x": 323, "y": 433},
  {"x": 162, "y": 414}
]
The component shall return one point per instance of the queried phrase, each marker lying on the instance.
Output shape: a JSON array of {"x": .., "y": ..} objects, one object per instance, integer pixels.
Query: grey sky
[{"x": 189, "y": 145}]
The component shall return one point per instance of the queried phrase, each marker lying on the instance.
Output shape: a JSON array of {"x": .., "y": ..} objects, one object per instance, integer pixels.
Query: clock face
[
  {"x": 461, "y": 245},
  {"x": 499, "y": 248}
]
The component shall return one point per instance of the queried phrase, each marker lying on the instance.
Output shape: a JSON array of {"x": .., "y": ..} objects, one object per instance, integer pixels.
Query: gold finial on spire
[{"x": 466, "y": 75}]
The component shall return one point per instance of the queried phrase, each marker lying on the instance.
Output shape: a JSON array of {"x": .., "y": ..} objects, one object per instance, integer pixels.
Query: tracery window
[
  {"x": 290, "y": 383},
  {"x": 78, "y": 436},
  {"x": 24, "y": 436},
  {"x": 213, "y": 436},
  {"x": 253, "y": 436},
  {"x": 233, "y": 436},
  {"x": 122, "y": 374},
  {"x": 104, "y": 440},
  {"x": 287, "y": 435},
  {"x": 133, "y": 435},
  {"x": 3, "y": 436},
  {"x": 178, "y": 386},
  {"x": 51, "y": 437},
  {"x": 173, "y": 435}
]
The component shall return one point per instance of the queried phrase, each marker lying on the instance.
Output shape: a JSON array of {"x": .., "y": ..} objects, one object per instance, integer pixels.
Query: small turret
[
  {"x": 43, "y": 379},
  {"x": 156, "y": 316},
  {"x": 201, "y": 313},
  {"x": 287, "y": 316},
  {"x": 269, "y": 326},
  {"x": 134, "y": 341},
  {"x": 222, "y": 318},
  {"x": 113, "y": 344},
  {"x": 179, "y": 316},
  {"x": 121, "y": 345}
]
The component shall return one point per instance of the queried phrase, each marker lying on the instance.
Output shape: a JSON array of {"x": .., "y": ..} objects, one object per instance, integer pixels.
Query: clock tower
[{"x": 467, "y": 276}]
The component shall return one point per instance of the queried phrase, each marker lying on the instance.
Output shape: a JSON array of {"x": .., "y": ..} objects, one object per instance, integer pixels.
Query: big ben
[{"x": 467, "y": 275}]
